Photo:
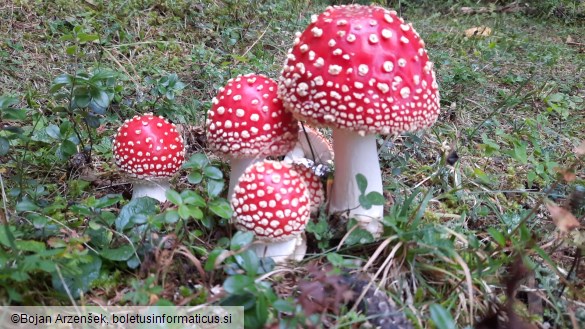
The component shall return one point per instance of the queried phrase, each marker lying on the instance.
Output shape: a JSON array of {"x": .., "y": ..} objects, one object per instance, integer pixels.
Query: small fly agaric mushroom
[
  {"x": 272, "y": 201},
  {"x": 150, "y": 149},
  {"x": 247, "y": 122},
  {"x": 311, "y": 145},
  {"x": 360, "y": 70}
]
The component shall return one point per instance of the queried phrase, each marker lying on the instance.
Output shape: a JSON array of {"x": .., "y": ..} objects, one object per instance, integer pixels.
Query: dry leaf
[
  {"x": 569, "y": 39},
  {"x": 580, "y": 150},
  {"x": 568, "y": 175},
  {"x": 564, "y": 220},
  {"x": 480, "y": 31}
]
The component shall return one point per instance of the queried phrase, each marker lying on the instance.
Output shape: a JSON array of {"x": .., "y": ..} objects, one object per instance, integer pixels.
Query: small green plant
[
  {"x": 82, "y": 97},
  {"x": 242, "y": 267}
]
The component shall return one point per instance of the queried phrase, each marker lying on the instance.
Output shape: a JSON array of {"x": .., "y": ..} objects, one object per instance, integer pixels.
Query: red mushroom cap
[
  {"x": 313, "y": 184},
  {"x": 360, "y": 68},
  {"x": 247, "y": 119},
  {"x": 149, "y": 146},
  {"x": 271, "y": 200}
]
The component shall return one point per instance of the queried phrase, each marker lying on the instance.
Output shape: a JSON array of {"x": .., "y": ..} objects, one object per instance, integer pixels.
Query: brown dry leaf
[
  {"x": 479, "y": 31},
  {"x": 568, "y": 175},
  {"x": 564, "y": 220},
  {"x": 569, "y": 39},
  {"x": 580, "y": 150}
]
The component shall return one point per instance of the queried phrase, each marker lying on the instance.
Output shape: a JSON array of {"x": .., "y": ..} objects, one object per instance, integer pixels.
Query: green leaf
[
  {"x": 284, "y": 306},
  {"x": 26, "y": 205},
  {"x": 7, "y": 101},
  {"x": 186, "y": 212},
  {"x": 192, "y": 198},
  {"x": 7, "y": 235},
  {"x": 248, "y": 261},
  {"x": 79, "y": 280},
  {"x": 376, "y": 198},
  {"x": 237, "y": 284},
  {"x": 30, "y": 245},
  {"x": 86, "y": 37},
  {"x": 196, "y": 161},
  {"x": 195, "y": 177},
  {"x": 14, "y": 114},
  {"x": 261, "y": 314},
  {"x": 71, "y": 50},
  {"x": 221, "y": 208},
  {"x": 100, "y": 97},
  {"x": 422, "y": 207},
  {"x": 81, "y": 100},
  {"x": 240, "y": 240},
  {"x": 174, "y": 197},
  {"x": 520, "y": 152},
  {"x": 53, "y": 131},
  {"x": 497, "y": 236},
  {"x": 4, "y": 146},
  {"x": 212, "y": 172},
  {"x": 441, "y": 317},
  {"x": 364, "y": 201},
  {"x": 135, "y": 211},
  {"x": 210, "y": 263},
  {"x": 362, "y": 183},
  {"x": 66, "y": 149},
  {"x": 171, "y": 216},
  {"x": 60, "y": 81},
  {"x": 106, "y": 201},
  {"x": 358, "y": 236},
  {"x": 214, "y": 187},
  {"x": 119, "y": 254}
]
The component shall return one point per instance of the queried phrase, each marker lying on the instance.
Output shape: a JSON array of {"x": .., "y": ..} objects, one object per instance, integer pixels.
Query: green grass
[{"x": 512, "y": 108}]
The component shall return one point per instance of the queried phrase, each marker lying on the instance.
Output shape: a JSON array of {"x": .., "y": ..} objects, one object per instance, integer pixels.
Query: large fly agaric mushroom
[
  {"x": 362, "y": 71},
  {"x": 150, "y": 149},
  {"x": 247, "y": 122},
  {"x": 272, "y": 201}
]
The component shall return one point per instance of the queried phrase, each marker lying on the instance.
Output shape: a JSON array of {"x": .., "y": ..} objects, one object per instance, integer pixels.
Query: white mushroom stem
[
  {"x": 238, "y": 166},
  {"x": 355, "y": 154},
  {"x": 155, "y": 188},
  {"x": 282, "y": 251}
]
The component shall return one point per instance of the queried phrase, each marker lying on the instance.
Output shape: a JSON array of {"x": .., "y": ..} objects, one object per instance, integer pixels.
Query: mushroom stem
[
  {"x": 356, "y": 154},
  {"x": 238, "y": 166},
  {"x": 156, "y": 189},
  {"x": 293, "y": 249}
]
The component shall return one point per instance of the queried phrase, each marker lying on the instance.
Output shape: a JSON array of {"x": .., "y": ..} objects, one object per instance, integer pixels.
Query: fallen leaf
[
  {"x": 580, "y": 150},
  {"x": 569, "y": 39},
  {"x": 564, "y": 220},
  {"x": 568, "y": 175},
  {"x": 480, "y": 31}
]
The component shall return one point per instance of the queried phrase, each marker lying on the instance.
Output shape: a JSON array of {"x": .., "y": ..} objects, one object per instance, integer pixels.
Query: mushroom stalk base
[
  {"x": 282, "y": 251},
  {"x": 355, "y": 154},
  {"x": 155, "y": 189},
  {"x": 238, "y": 166}
]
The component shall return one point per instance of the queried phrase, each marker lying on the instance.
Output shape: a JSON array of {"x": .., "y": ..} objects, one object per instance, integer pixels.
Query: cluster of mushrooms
[{"x": 359, "y": 70}]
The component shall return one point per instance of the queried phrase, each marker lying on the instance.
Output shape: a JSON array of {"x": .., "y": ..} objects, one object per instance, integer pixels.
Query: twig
[
  {"x": 256, "y": 41},
  {"x": 66, "y": 288},
  {"x": 6, "y": 215}
]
